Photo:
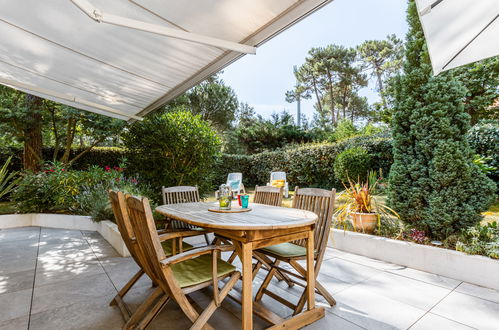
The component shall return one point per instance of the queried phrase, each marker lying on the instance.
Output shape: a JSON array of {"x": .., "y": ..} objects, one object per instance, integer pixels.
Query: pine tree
[{"x": 433, "y": 183}]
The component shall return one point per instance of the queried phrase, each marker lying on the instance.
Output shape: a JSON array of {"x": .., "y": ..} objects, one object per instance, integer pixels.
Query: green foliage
[
  {"x": 170, "y": 149},
  {"x": 344, "y": 130},
  {"x": 61, "y": 190},
  {"x": 434, "y": 184},
  {"x": 98, "y": 156},
  {"x": 483, "y": 240},
  {"x": 8, "y": 180},
  {"x": 255, "y": 134},
  {"x": 352, "y": 164},
  {"x": 484, "y": 139},
  {"x": 308, "y": 165}
]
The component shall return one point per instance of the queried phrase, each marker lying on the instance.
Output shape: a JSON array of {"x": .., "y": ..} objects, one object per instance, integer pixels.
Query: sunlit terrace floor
[{"x": 60, "y": 279}]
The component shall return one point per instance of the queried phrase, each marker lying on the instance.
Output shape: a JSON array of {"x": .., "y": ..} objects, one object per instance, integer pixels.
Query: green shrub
[
  {"x": 352, "y": 164},
  {"x": 175, "y": 148},
  {"x": 434, "y": 184},
  {"x": 344, "y": 130},
  {"x": 484, "y": 139},
  {"x": 483, "y": 240},
  {"x": 61, "y": 190}
]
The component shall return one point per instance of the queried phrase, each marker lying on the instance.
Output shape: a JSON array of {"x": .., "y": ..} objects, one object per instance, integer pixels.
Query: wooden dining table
[{"x": 263, "y": 226}]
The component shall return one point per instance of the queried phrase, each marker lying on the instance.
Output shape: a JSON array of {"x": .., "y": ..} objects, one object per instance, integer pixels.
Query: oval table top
[{"x": 261, "y": 217}]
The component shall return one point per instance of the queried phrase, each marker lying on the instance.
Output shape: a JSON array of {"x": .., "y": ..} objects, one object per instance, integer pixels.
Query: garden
[{"x": 424, "y": 159}]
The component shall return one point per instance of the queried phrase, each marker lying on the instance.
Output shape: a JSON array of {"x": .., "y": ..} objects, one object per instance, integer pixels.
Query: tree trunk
[
  {"x": 70, "y": 134},
  {"x": 380, "y": 87},
  {"x": 32, "y": 153}
]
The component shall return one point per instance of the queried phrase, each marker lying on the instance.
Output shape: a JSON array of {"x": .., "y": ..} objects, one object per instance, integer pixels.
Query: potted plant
[{"x": 361, "y": 207}]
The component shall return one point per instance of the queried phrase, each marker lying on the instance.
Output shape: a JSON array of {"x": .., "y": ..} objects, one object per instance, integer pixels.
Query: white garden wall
[
  {"x": 473, "y": 269},
  {"x": 107, "y": 229}
]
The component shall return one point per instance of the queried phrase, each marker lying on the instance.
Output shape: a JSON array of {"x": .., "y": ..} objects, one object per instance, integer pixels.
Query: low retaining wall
[
  {"x": 473, "y": 269},
  {"x": 107, "y": 229}
]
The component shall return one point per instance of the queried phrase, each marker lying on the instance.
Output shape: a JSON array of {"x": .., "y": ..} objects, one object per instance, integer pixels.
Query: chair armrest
[{"x": 195, "y": 253}]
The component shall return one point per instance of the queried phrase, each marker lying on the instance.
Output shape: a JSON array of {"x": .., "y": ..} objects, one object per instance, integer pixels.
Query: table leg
[
  {"x": 310, "y": 271},
  {"x": 247, "y": 298}
]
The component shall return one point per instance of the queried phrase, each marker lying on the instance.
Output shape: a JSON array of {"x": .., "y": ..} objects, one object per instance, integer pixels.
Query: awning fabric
[
  {"x": 66, "y": 50},
  {"x": 459, "y": 32}
]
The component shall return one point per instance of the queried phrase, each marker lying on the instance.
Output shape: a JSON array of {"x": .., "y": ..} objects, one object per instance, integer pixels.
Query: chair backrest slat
[
  {"x": 268, "y": 195},
  {"x": 180, "y": 194},
  {"x": 321, "y": 202}
]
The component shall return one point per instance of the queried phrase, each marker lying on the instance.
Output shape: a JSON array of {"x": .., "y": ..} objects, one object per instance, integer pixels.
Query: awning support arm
[{"x": 101, "y": 17}]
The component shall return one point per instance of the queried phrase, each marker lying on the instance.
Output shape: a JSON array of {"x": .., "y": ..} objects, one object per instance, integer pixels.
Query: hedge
[
  {"x": 309, "y": 165},
  {"x": 100, "y": 156}
]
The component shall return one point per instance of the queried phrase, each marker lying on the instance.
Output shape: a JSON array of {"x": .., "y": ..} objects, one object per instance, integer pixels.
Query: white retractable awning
[
  {"x": 459, "y": 32},
  {"x": 125, "y": 58}
]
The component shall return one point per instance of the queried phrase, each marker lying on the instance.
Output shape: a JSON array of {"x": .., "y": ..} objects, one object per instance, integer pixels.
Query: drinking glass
[{"x": 245, "y": 201}]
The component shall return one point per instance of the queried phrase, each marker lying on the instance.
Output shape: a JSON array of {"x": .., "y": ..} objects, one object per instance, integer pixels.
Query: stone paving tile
[
  {"x": 14, "y": 304},
  {"x": 19, "y": 234},
  {"x": 80, "y": 290},
  {"x": 471, "y": 311},
  {"x": 19, "y": 323},
  {"x": 15, "y": 264},
  {"x": 51, "y": 271},
  {"x": 331, "y": 321},
  {"x": 479, "y": 291},
  {"x": 374, "y": 311},
  {"x": 91, "y": 314},
  {"x": 405, "y": 290},
  {"x": 431, "y": 322},
  {"x": 430, "y": 278},
  {"x": 17, "y": 281}
]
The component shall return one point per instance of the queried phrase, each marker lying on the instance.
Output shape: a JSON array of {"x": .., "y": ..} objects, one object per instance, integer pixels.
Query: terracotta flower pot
[{"x": 364, "y": 222}]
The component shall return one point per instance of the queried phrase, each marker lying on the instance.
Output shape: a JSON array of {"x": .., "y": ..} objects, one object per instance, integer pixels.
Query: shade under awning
[
  {"x": 89, "y": 54},
  {"x": 459, "y": 32}
]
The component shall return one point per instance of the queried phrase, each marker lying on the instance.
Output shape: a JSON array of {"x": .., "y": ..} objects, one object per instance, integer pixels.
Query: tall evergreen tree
[{"x": 433, "y": 183}]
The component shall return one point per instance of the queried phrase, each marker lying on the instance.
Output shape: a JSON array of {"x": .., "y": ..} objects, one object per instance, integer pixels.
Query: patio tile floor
[{"x": 63, "y": 279}]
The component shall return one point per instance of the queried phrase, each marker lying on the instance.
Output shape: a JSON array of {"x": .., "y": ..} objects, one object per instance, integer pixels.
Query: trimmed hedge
[
  {"x": 100, "y": 156},
  {"x": 309, "y": 165}
]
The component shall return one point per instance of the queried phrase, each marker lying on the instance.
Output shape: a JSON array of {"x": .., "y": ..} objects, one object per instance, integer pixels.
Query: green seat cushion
[
  {"x": 198, "y": 270},
  {"x": 286, "y": 250},
  {"x": 167, "y": 247}
]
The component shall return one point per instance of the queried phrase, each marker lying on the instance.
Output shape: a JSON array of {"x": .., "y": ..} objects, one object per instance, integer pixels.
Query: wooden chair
[
  {"x": 180, "y": 274},
  {"x": 168, "y": 244},
  {"x": 182, "y": 194},
  {"x": 268, "y": 195},
  {"x": 321, "y": 202}
]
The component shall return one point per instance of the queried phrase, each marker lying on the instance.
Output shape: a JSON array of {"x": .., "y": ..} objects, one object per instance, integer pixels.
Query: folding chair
[
  {"x": 180, "y": 274},
  {"x": 182, "y": 194},
  {"x": 321, "y": 202},
  {"x": 168, "y": 244}
]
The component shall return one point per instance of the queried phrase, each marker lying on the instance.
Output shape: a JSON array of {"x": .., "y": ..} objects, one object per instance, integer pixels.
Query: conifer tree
[{"x": 434, "y": 184}]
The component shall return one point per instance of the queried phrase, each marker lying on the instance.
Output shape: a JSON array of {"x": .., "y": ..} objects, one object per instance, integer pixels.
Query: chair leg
[
  {"x": 118, "y": 299},
  {"x": 323, "y": 292},
  {"x": 232, "y": 257},
  {"x": 155, "y": 310},
  {"x": 144, "y": 308},
  {"x": 279, "y": 275},
  {"x": 266, "y": 281},
  {"x": 205, "y": 316}
]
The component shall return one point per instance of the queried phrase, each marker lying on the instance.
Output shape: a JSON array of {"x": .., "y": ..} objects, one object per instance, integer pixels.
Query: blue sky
[{"x": 261, "y": 80}]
